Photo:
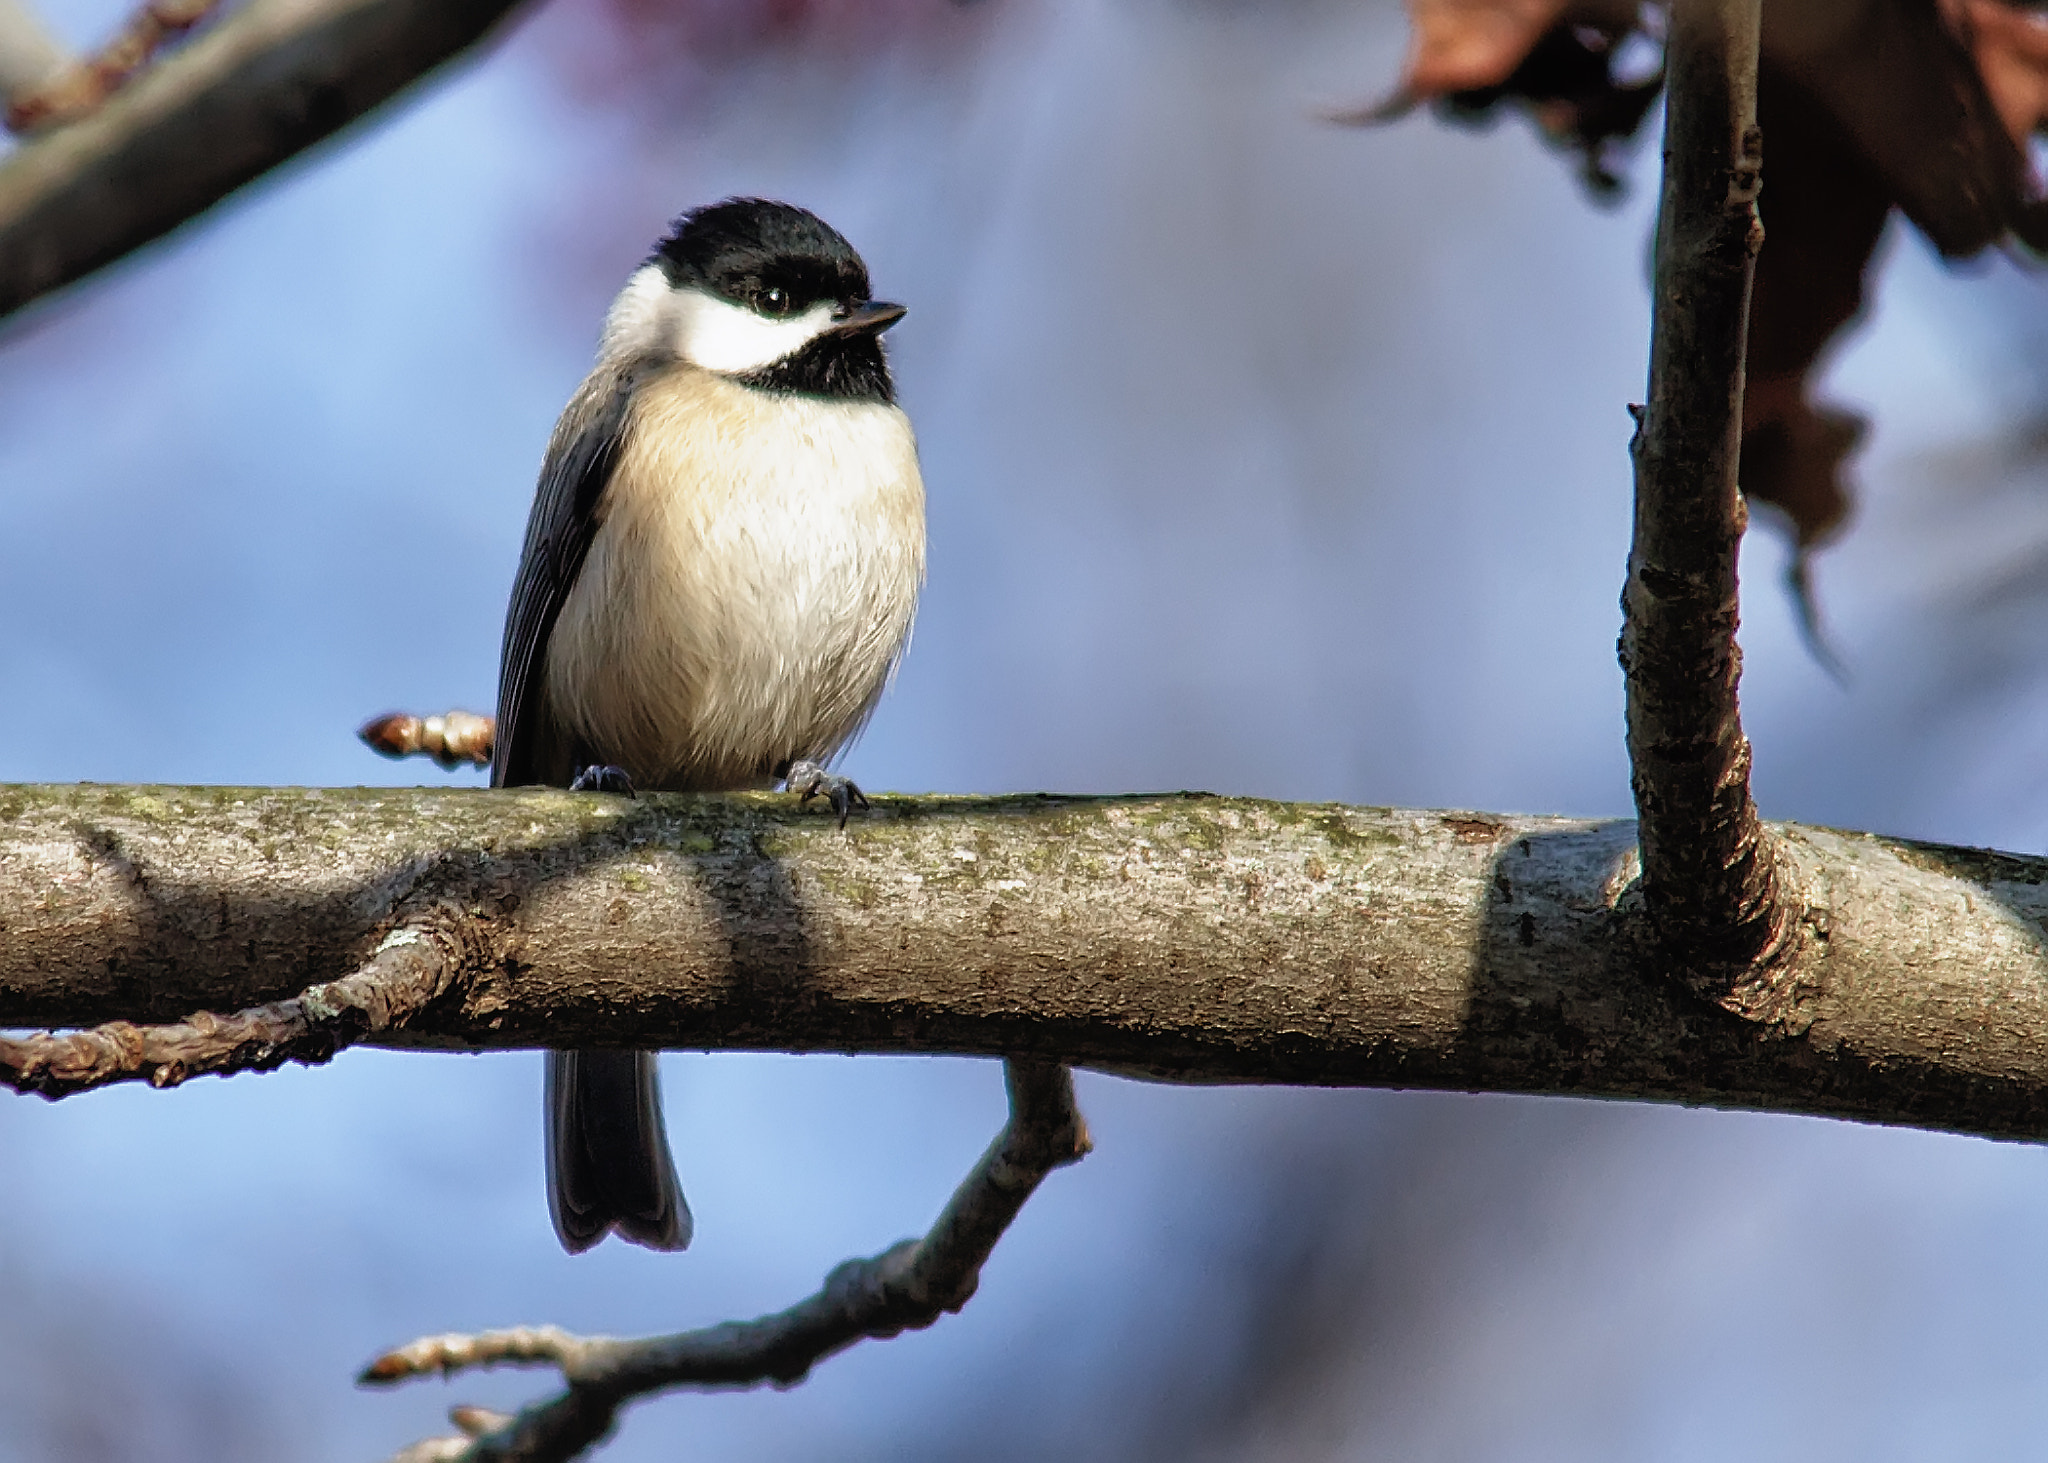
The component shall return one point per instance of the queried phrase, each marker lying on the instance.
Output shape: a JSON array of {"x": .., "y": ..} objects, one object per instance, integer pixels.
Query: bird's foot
[
  {"x": 603, "y": 779},
  {"x": 808, "y": 780}
]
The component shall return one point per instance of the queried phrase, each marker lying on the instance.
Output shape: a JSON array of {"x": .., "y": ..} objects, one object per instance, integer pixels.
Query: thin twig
[
  {"x": 905, "y": 1288},
  {"x": 416, "y": 962},
  {"x": 1709, "y": 876},
  {"x": 453, "y": 739}
]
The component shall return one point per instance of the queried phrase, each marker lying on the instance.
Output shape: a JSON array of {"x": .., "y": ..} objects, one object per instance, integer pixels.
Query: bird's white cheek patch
[
  {"x": 721, "y": 336},
  {"x": 642, "y": 318}
]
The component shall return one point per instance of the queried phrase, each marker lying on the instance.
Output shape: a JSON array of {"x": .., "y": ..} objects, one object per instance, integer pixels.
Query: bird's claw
[
  {"x": 808, "y": 780},
  {"x": 604, "y": 779}
]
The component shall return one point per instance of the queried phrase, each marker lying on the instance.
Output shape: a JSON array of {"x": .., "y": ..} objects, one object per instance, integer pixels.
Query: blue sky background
[{"x": 1264, "y": 457}]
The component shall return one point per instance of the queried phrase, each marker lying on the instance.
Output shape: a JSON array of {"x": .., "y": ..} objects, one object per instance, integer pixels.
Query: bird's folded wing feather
[{"x": 567, "y": 509}]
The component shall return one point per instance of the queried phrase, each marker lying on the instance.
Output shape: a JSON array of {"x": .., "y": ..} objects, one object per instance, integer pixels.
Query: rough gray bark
[
  {"x": 267, "y": 82},
  {"x": 1708, "y": 871},
  {"x": 1185, "y": 937}
]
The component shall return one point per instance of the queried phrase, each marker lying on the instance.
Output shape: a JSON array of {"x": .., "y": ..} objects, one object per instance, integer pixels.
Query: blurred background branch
[
  {"x": 29, "y": 54},
  {"x": 269, "y": 81},
  {"x": 48, "y": 88}
]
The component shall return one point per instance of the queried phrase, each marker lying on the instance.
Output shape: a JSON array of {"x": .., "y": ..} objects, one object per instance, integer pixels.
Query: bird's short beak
[{"x": 871, "y": 316}]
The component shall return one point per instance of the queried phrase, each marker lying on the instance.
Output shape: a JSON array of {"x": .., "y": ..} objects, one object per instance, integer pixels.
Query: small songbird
[{"x": 720, "y": 571}]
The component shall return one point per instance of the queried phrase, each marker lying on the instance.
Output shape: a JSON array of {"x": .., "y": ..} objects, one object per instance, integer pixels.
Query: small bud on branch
[{"x": 453, "y": 739}]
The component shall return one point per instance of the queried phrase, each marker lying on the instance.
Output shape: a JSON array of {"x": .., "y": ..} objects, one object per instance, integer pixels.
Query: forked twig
[
  {"x": 905, "y": 1288},
  {"x": 415, "y": 963}
]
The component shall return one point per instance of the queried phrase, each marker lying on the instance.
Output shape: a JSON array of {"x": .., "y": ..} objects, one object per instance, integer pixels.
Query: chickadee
[{"x": 720, "y": 570}]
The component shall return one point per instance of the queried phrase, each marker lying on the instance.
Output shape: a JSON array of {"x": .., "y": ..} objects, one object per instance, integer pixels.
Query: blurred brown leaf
[
  {"x": 1554, "y": 57},
  {"x": 1924, "y": 106},
  {"x": 1463, "y": 45},
  {"x": 2010, "y": 45},
  {"x": 1824, "y": 208}
]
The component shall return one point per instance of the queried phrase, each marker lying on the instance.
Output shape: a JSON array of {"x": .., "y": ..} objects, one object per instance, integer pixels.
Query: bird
[{"x": 718, "y": 580}]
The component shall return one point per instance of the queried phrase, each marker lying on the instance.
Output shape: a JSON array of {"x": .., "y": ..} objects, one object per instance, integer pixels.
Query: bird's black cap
[
  {"x": 778, "y": 260},
  {"x": 745, "y": 247}
]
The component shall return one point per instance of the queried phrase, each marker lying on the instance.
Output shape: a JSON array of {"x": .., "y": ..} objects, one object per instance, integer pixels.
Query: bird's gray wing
[{"x": 567, "y": 509}]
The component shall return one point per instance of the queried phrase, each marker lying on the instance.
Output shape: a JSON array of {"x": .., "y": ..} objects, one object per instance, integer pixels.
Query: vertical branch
[{"x": 1708, "y": 874}]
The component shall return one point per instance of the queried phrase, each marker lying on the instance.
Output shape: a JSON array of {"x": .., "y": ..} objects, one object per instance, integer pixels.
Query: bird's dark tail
[{"x": 608, "y": 1159}]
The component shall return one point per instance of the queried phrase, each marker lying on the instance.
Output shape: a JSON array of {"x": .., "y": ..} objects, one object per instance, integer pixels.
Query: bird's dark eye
[{"x": 775, "y": 301}]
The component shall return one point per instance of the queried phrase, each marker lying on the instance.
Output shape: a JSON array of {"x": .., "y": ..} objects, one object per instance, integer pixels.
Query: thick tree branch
[
  {"x": 905, "y": 1288},
  {"x": 1211, "y": 939},
  {"x": 1708, "y": 871},
  {"x": 267, "y": 82}
]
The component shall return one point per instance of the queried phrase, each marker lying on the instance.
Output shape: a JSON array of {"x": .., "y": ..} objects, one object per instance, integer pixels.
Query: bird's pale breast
[{"x": 751, "y": 585}]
